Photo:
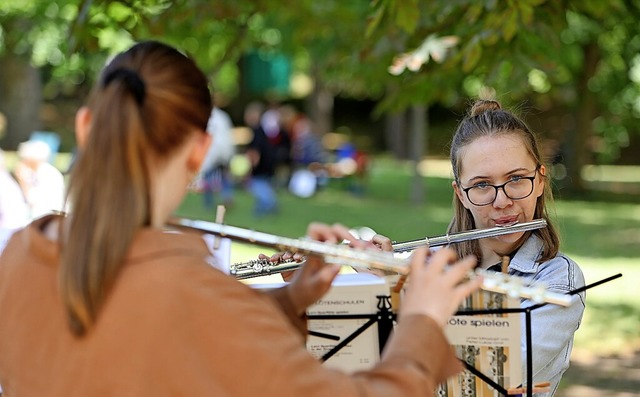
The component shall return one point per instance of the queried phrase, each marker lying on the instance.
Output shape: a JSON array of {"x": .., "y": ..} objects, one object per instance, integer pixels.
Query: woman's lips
[{"x": 506, "y": 221}]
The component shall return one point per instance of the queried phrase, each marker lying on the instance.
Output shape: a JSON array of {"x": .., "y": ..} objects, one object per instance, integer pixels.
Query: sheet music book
[
  {"x": 220, "y": 249},
  {"x": 350, "y": 294},
  {"x": 489, "y": 342}
]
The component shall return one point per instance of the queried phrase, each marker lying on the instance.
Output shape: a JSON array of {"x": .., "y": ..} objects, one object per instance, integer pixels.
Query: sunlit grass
[
  {"x": 602, "y": 237},
  {"x": 600, "y": 232},
  {"x": 611, "y": 323}
]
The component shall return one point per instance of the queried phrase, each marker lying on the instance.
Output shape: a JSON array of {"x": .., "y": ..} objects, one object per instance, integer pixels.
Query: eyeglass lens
[{"x": 514, "y": 189}]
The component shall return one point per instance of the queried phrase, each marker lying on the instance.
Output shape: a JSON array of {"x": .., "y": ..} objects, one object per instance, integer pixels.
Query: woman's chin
[{"x": 510, "y": 238}]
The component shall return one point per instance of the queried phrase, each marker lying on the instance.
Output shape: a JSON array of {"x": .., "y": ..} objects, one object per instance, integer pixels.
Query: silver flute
[
  {"x": 332, "y": 253},
  {"x": 381, "y": 260},
  {"x": 452, "y": 238}
]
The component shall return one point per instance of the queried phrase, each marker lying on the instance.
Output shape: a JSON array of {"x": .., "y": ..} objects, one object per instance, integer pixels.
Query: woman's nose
[{"x": 501, "y": 200}]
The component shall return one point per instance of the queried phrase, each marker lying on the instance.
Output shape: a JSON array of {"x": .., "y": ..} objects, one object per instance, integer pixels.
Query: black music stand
[
  {"x": 529, "y": 357},
  {"x": 384, "y": 317}
]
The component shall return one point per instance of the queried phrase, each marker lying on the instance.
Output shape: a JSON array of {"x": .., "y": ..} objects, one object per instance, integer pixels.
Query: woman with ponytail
[{"x": 103, "y": 301}]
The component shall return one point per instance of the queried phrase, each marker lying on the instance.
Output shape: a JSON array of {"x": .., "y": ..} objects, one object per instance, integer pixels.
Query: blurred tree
[
  {"x": 581, "y": 57},
  {"x": 69, "y": 41},
  {"x": 20, "y": 79}
]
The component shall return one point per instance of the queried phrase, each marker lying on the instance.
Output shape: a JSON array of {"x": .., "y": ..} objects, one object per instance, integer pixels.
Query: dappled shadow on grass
[
  {"x": 606, "y": 360},
  {"x": 599, "y": 230},
  {"x": 601, "y": 195},
  {"x": 610, "y": 328},
  {"x": 612, "y": 375},
  {"x": 594, "y": 242},
  {"x": 384, "y": 206}
]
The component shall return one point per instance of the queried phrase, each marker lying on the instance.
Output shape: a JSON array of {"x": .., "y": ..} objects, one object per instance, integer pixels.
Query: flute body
[
  {"x": 332, "y": 253},
  {"x": 343, "y": 255},
  {"x": 447, "y": 239},
  {"x": 262, "y": 267}
]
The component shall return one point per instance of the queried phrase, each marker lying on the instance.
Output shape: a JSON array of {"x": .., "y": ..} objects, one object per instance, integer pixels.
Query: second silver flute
[
  {"x": 262, "y": 267},
  {"x": 452, "y": 238}
]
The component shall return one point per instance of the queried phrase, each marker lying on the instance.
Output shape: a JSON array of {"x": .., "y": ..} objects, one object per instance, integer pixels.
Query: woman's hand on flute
[
  {"x": 383, "y": 243},
  {"x": 283, "y": 256},
  {"x": 380, "y": 243},
  {"x": 314, "y": 279},
  {"x": 377, "y": 242},
  {"x": 437, "y": 284}
]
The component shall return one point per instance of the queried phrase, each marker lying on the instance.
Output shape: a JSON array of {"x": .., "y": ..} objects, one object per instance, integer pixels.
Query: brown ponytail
[{"x": 146, "y": 101}]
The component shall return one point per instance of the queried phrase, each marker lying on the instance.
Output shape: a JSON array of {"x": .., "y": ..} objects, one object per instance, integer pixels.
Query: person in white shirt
[
  {"x": 215, "y": 168},
  {"x": 14, "y": 212},
  {"x": 41, "y": 182}
]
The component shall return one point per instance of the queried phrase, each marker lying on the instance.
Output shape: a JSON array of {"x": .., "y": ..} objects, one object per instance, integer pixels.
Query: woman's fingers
[
  {"x": 438, "y": 284},
  {"x": 382, "y": 242},
  {"x": 335, "y": 233},
  {"x": 455, "y": 274},
  {"x": 464, "y": 289}
]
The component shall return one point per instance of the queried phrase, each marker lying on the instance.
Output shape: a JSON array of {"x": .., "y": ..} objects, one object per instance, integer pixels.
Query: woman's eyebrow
[
  {"x": 520, "y": 169},
  {"x": 513, "y": 171}
]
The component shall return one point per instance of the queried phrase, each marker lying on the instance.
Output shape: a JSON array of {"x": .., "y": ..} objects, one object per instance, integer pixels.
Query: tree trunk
[
  {"x": 395, "y": 131},
  {"x": 577, "y": 147},
  {"x": 20, "y": 99},
  {"x": 419, "y": 131},
  {"x": 321, "y": 106}
]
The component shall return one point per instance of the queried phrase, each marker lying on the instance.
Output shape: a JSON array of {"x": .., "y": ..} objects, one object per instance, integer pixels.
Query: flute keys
[
  {"x": 514, "y": 287},
  {"x": 492, "y": 280},
  {"x": 538, "y": 292},
  {"x": 257, "y": 267}
]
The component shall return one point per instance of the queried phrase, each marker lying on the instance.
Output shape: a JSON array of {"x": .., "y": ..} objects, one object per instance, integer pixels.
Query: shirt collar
[{"x": 526, "y": 258}]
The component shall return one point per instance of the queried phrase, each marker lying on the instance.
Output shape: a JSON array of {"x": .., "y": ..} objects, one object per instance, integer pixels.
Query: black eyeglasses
[{"x": 516, "y": 188}]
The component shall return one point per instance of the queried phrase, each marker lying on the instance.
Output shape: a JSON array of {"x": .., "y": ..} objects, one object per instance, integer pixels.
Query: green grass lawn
[{"x": 602, "y": 233}]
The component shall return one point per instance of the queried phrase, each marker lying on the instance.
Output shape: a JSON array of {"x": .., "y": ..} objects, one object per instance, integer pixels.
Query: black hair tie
[{"x": 130, "y": 78}]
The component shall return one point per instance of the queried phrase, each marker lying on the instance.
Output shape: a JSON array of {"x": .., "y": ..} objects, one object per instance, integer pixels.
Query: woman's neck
[
  {"x": 494, "y": 251},
  {"x": 489, "y": 257}
]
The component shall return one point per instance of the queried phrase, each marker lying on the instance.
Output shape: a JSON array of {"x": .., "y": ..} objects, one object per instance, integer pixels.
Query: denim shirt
[{"x": 552, "y": 326}]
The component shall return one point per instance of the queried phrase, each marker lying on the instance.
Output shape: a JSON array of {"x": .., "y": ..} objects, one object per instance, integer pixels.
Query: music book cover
[
  {"x": 350, "y": 294},
  {"x": 220, "y": 249},
  {"x": 490, "y": 343}
]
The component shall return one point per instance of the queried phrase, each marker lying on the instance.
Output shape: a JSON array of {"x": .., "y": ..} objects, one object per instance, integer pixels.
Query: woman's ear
[
  {"x": 539, "y": 187},
  {"x": 459, "y": 194},
  {"x": 83, "y": 122},
  {"x": 199, "y": 151}
]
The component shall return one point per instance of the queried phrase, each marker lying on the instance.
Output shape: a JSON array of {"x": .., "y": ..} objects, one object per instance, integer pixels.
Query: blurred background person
[
  {"x": 42, "y": 184},
  {"x": 262, "y": 157},
  {"x": 308, "y": 152},
  {"x": 307, "y": 147},
  {"x": 14, "y": 212},
  {"x": 352, "y": 165},
  {"x": 274, "y": 127},
  {"x": 215, "y": 172}
]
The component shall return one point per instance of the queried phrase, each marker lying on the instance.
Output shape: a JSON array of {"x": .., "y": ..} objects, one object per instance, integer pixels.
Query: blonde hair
[
  {"x": 146, "y": 102},
  {"x": 487, "y": 118}
]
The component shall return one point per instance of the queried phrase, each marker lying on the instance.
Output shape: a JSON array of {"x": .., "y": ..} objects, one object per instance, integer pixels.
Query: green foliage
[{"x": 525, "y": 49}]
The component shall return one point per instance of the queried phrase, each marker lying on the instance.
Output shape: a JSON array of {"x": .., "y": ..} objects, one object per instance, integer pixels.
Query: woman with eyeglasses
[{"x": 500, "y": 179}]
